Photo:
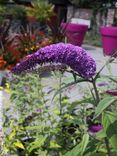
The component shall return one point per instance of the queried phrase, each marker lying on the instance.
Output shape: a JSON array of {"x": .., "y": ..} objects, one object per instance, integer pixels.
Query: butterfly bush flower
[{"x": 73, "y": 56}]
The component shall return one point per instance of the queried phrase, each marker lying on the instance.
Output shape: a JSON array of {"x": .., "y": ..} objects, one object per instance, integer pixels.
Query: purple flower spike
[
  {"x": 95, "y": 128},
  {"x": 68, "y": 54},
  {"x": 112, "y": 92}
]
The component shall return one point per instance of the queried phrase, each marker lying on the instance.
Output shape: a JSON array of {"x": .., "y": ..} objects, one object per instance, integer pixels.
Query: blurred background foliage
[{"x": 41, "y": 10}]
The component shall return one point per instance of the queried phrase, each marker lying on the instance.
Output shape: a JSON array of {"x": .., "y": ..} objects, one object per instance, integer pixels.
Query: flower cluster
[
  {"x": 19, "y": 45},
  {"x": 30, "y": 41},
  {"x": 73, "y": 56}
]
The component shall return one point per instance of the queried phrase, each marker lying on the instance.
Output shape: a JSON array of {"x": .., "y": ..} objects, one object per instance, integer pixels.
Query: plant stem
[
  {"x": 60, "y": 95},
  {"x": 96, "y": 91},
  {"x": 97, "y": 101},
  {"x": 40, "y": 92},
  {"x": 107, "y": 147}
]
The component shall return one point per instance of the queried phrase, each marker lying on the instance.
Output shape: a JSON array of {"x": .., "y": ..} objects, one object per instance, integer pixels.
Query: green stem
[
  {"x": 96, "y": 91},
  {"x": 43, "y": 100},
  {"x": 97, "y": 101},
  {"x": 60, "y": 95},
  {"x": 107, "y": 147}
]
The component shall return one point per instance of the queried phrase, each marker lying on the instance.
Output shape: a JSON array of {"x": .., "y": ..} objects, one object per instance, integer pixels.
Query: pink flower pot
[
  {"x": 109, "y": 39},
  {"x": 75, "y": 33}
]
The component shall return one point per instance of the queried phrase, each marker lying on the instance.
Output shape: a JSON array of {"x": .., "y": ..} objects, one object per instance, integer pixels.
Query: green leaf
[
  {"x": 109, "y": 121},
  {"x": 74, "y": 152},
  {"x": 103, "y": 104},
  {"x": 56, "y": 111},
  {"x": 100, "y": 135},
  {"x": 37, "y": 143},
  {"x": 39, "y": 127},
  {"x": 91, "y": 147},
  {"x": 19, "y": 145},
  {"x": 12, "y": 134},
  {"x": 84, "y": 143},
  {"x": 79, "y": 149},
  {"x": 53, "y": 144}
]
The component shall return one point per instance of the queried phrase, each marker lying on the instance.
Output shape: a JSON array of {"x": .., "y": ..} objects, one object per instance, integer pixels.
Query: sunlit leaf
[
  {"x": 103, "y": 104},
  {"x": 54, "y": 144},
  {"x": 19, "y": 145},
  {"x": 12, "y": 134}
]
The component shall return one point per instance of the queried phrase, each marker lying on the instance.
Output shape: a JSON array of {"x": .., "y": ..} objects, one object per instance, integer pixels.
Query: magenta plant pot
[
  {"x": 75, "y": 33},
  {"x": 109, "y": 39}
]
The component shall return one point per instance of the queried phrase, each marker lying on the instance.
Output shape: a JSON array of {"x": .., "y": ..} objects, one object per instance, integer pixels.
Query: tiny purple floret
[
  {"x": 73, "y": 56},
  {"x": 95, "y": 128}
]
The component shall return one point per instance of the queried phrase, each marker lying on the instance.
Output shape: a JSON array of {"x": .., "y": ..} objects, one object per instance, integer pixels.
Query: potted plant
[
  {"x": 109, "y": 39},
  {"x": 75, "y": 33},
  {"x": 40, "y": 10}
]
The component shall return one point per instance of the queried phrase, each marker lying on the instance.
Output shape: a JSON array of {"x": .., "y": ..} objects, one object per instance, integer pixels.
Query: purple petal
[
  {"x": 111, "y": 92},
  {"x": 95, "y": 128}
]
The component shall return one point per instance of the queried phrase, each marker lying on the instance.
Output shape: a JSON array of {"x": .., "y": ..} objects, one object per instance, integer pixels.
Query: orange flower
[
  {"x": 9, "y": 67},
  {"x": 2, "y": 62}
]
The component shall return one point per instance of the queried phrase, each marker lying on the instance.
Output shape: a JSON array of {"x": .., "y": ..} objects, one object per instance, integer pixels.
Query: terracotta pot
[
  {"x": 75, "y": 33},
  {"x": 109, "y": 39}
]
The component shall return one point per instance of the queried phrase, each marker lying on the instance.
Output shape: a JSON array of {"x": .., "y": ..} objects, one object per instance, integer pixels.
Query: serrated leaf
[
  {"x": 37, "y": 143},
  {"x": 103, "y": 104}
]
